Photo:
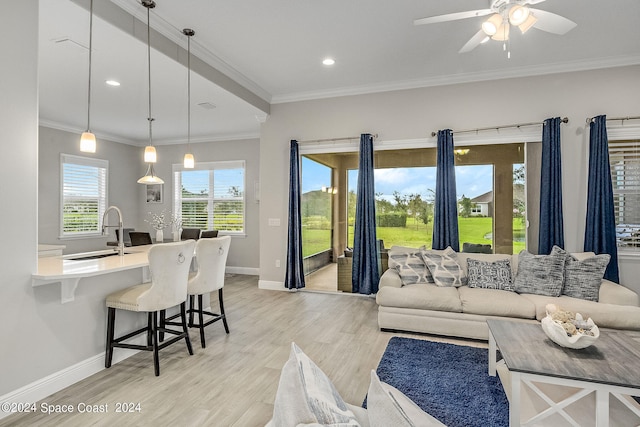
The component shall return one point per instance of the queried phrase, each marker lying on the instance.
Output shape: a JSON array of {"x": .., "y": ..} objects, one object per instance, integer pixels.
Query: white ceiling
[{"x": 275, "y": 48}]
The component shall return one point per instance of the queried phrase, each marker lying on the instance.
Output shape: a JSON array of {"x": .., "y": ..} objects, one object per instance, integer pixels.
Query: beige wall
[{"x": 414, "y": 114}]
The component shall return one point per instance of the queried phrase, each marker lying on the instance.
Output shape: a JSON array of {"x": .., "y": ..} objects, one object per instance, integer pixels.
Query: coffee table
[{"x": 609, "y": 368}]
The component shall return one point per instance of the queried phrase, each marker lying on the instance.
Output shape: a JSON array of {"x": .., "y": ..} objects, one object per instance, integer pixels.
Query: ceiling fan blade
[
  {"x": 534, "y": 1},
  {"x": 473, "y": 42},
  {"x": 552, "y": 23},
  {"x": 452, "y": 16}
]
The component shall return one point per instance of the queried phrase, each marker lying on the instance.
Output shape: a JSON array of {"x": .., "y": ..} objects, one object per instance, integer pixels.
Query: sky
[{"x": 471, "y": 181}]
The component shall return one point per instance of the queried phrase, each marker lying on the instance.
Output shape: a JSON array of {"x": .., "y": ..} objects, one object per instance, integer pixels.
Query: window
[
  {"x": 316, "y": 204},
  {"x": 211, "y": 196},
  {"x": 624, "y": 157},
  {"x": 83, "y": 192}
]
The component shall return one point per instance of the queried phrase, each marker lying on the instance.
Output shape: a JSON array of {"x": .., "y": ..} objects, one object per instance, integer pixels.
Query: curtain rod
[
  {"x": 519, "y": 125},
  {"x": 622, "y": 119},
  {"x": 346, "y": 138}
]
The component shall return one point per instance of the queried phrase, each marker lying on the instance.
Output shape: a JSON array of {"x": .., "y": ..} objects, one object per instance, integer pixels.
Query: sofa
[{"x": 461, "y": 309}]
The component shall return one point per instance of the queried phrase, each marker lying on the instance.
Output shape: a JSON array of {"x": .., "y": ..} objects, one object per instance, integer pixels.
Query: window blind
[
  {"x": 84, "y": 195},
  {"x": 624, "y": 158},
  {"x": 211, "y": 196}
]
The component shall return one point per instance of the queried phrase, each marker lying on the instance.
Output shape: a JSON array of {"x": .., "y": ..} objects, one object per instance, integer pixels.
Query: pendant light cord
[
  {"x": 149, "y": 68},
  {"x": 189, "y": 93},
  {"x": 90, "y": 51}
]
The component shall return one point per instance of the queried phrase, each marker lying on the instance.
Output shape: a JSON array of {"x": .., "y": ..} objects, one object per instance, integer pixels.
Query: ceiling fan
[{"x": 504, "y": 14}]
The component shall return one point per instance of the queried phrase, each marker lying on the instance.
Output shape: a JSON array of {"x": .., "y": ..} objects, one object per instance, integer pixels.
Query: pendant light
[
  {"x": 189, "y": 161},
  {"x": 88, "y": 139},
  {"x": 149, "y": 151}
]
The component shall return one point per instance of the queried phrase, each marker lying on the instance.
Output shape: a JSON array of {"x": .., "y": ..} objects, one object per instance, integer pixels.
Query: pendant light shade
[
  {"x": 150, "y": 177},
  {"x": 150, "y": 156},
  {"x": 88, "y": 142},
  {"x": 88, "y": 139},
  {"x": 189, "y": 161}
]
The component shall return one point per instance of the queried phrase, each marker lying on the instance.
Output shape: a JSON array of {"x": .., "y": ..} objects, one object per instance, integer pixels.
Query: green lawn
[{"x": 470, "y": 229}]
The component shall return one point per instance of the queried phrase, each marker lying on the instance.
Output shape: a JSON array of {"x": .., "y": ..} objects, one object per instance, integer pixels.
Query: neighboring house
[{"x": 483, "y": 204}]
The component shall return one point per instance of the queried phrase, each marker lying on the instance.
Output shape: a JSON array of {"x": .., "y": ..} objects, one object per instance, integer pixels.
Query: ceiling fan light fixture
[
  {"x": 518, "y": 14},
  {"x": 503, "y": 33},
  {"x": 491, "y": 25},
  {"x": 526, "y": 25}
]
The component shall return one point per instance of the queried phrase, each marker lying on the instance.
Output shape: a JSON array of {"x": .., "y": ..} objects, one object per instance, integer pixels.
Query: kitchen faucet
[{"x": 120, "y": 231}]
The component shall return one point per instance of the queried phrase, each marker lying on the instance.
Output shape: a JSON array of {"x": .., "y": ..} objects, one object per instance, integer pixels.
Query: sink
[{"x": 91, "y": 255}]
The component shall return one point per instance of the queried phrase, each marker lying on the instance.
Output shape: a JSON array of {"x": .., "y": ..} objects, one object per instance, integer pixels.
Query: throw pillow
[
  {"x": 489, "y": 275},
  {"x": 388, "y": 406},
  {"x": 410, "y": 266},
  {"x": 476, "y": 248},
  {"x": 444, "y": 267},
  {"x": 540, "y": 274},
  {"x": 306, "y": 395},
  {"x": 582, "y": 279}
]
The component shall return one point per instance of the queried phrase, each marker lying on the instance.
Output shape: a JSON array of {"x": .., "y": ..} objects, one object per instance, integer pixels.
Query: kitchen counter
[{"x": 69, "y": 269}]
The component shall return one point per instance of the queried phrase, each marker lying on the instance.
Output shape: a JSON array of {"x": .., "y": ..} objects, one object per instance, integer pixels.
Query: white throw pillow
[
  {"x": 444, "y": 268},
  {"x": 388, "y": 406},
  {"x": 306, "y": 396}
]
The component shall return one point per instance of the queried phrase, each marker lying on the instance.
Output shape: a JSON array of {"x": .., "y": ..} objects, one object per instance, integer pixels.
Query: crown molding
[
  {"x": 203, "y": 139},
  {"x": 537, "y": 70},
  {"x": 72, "y": 129}
]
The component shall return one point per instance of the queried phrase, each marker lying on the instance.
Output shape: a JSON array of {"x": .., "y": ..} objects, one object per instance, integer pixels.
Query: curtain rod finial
[{"x": 565, "y": 120}]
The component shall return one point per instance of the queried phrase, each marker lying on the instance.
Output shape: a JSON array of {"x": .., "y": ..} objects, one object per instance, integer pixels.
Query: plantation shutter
[
  {"x": 84, "y": 195},
  {"x": 624, "y": 157}
]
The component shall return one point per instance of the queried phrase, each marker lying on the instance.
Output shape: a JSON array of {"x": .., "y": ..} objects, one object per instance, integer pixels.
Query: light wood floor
[
  {"x": 324, "y": 279},
  {"x": 234, "y": 380}
]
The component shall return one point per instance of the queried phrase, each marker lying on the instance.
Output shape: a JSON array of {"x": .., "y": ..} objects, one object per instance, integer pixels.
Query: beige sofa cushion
[
  {"x": 421, "y": 296},
  {"x": 494, "y": 302},
  {"x": 604, "y": 315}
]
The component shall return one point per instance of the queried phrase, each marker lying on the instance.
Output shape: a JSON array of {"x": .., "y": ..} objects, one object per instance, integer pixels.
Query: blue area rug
[{"x": 448, "y": 381}]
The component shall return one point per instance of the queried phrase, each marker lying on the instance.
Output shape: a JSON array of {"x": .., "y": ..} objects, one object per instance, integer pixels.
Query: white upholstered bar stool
[
  {"x": 211, "y": 255},
  {"x": 169, "y": 267}
]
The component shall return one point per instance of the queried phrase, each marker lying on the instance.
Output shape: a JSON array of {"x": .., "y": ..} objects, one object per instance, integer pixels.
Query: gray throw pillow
[
  {"x": 444, "y": 268},
  {"x": 540, "y": 274},
  {"x": 410, "y": 267},
  {"x": 489, "y": 275},
  {"x": 582, "y": 279}
]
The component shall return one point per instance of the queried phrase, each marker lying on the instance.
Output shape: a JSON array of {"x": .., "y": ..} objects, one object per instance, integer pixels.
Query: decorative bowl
[{"x": 556, "y": 332}]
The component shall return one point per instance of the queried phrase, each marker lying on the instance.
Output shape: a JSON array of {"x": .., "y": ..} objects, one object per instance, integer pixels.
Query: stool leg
[
  {"x": 183, "y": 316},
  {"x": 111, "y": 320},
  {"x": 191, "y": 304},
  {"x": 163, "y": 314},
  {"x": 201, "y": 319},
  {"x": 154, "y": 327},
  {"x": 149, "y": 330},
  {"x": 224, "y": 317}
]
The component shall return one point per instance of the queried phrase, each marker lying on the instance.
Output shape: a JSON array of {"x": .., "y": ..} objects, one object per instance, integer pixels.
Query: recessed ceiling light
[
  {"x": 112, "y": 83},
  {"x": 328, "y": 61}
]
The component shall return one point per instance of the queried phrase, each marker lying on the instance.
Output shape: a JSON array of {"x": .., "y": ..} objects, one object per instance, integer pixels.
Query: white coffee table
[{"x": 609, "y": 368}]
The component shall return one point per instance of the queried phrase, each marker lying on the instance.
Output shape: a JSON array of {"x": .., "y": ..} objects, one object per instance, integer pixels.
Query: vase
[
  {"x": 159, "y": 236},
  {"x": 176, "y": 235}
]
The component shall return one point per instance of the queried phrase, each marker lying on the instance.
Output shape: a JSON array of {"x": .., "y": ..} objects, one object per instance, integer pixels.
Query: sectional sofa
[{"x": 460, "y": 310}]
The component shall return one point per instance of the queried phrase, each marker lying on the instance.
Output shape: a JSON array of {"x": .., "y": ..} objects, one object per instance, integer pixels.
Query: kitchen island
[{"x": 69, "y": 270}]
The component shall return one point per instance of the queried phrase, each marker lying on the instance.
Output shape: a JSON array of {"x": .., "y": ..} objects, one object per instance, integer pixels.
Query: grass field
[{"x": 414, "y": 235}]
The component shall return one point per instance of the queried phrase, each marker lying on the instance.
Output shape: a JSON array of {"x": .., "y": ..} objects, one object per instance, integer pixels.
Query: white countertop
[{"x": 69, "y": 272}]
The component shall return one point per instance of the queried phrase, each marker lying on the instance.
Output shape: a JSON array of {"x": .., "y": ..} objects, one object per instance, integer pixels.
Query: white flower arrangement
[
  {"x": 176, "y": 222},
  {"x": 157, "y": 221}
]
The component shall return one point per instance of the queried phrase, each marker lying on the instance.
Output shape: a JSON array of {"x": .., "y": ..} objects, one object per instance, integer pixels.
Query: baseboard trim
[
  {"x": 250, "y": 271},
  {"x": 271, "y": 285},
  {"x": 57, "y": 381}
]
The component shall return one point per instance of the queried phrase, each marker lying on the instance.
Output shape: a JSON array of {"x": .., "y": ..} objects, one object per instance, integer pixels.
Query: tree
[{"x": 465, "y": 206}]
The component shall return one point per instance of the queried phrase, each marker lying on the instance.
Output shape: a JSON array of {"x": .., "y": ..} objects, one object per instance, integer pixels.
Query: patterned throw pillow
[
  {"x": 582, "y": 279},
  {"x": 306, "y": 395},
  {"x": 410, "y": 267},
  {"x": 489, "y": 275},
  {"x": 540, "y": 274},
  {"x": 444, "y": 268}
]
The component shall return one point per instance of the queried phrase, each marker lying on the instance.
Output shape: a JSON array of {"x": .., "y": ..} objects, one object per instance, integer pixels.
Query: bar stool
[
  {"x": 169, "y": 266},
  {"x": 211, "y": 255}
]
